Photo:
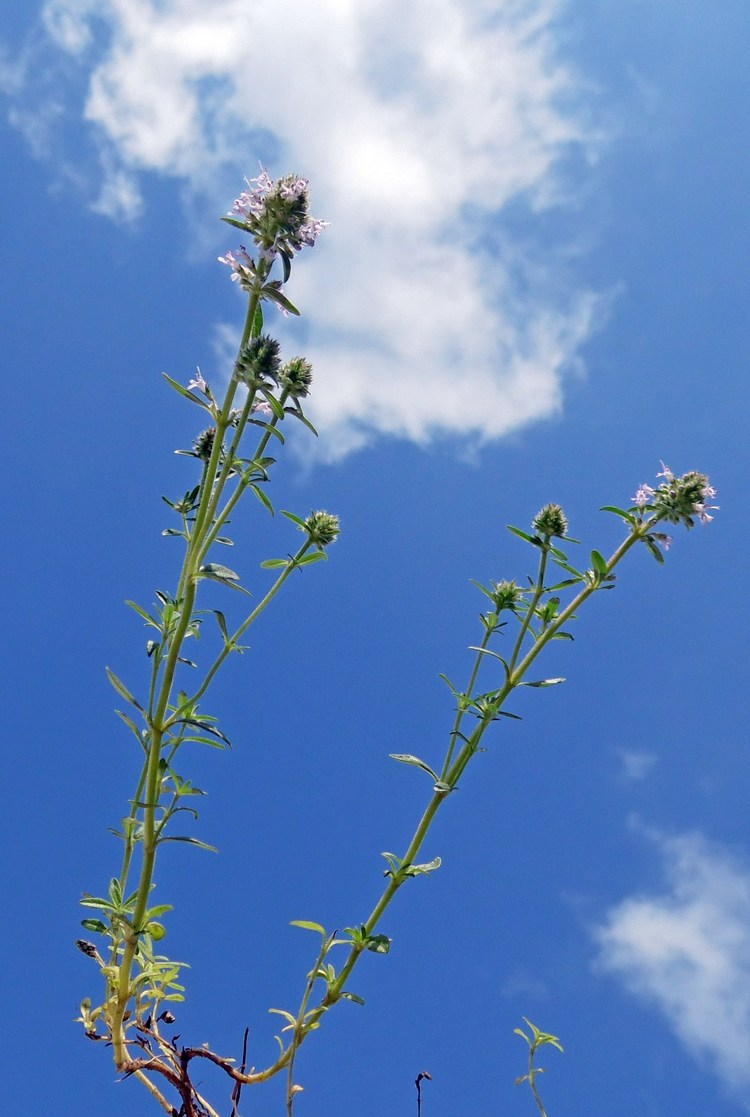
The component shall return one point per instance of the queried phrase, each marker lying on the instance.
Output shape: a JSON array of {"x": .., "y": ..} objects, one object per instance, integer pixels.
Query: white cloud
[
  {"x": 417, "y": 124},
  {"x": 687, "y": 950},
  {"x": 636, "y": 765}
]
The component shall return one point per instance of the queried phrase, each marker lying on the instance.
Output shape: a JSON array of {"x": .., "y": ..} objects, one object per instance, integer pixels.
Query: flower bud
[
  {"x": 258, "y": 362},
  {"x": 322, "y": 528},
  {"x": 506, "y": 595},
  {"x": 296, "y": 377},
  {"x": 204, "y": 444},
  {"x": 551, "y": 521}
]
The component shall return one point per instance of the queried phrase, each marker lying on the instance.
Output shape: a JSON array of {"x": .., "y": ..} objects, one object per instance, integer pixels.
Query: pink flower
[
  {"x": 198, "y": 381},
  {"x": 643, "y": 495}
]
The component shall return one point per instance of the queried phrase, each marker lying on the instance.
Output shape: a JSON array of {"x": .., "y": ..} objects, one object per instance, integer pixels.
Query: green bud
[
  {"x": 204, "y": 444},
  {"x": 296, "y": 377},
  {"x": 258, "y": 362},
  {"x": 551, "y": 521},
  {"x": 322, "y": 527},
  {"x": 506, "y": 595}
]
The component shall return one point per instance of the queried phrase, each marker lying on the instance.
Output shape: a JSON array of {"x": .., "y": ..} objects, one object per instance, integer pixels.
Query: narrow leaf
[
  {"x": 407, "y": 758},
  {"x": 352, "y": 997},
  {"x": 191, "y": 841},
  {"x": 543, "y": 682},
  {"x": 262, "y": 497},
  {"x": 122, "y": 690},
  {"x": 216, "y": 570},
  {"x": 308, "y": 925},
  {"x": 533, "y": 539},
  {"x": 184, "y": 391}
]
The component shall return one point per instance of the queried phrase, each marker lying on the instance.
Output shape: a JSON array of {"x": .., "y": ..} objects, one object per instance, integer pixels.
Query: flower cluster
[
  {"x": 258, "y": 362},
  {"x": 506, "y": 595},
  {"x": 322, "y": 527},
  {"x": 551, "y": 521},
  {"x": 258, "y": 366},
  {"x": 678, "y": 499},
  {"x": 276, "y": 214}
]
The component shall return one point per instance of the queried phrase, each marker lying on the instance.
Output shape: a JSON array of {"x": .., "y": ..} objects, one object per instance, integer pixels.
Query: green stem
[
  {"x": 451, "y": 775},
  {"x": 186, "y": 593},
  {"x": 462, "y": 708},
  {"x": 239, "y": 633}
]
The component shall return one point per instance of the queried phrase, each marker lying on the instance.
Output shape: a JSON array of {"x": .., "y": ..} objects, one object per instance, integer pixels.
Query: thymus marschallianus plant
[{"x": 140, "y": 984}]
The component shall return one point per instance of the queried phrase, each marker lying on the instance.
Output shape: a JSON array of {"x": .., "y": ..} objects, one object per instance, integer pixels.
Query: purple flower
[
  {"x": 198, "y": 381},
  {"x": 643, "y": 495},
  {"x": 262, "y": 408},
  {"x": 243, "y": 267},
  {"x": 276, "y": 215}
]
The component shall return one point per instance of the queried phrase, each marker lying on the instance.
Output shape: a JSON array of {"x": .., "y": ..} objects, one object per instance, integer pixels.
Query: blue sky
[{"x": 533, "y": 288}]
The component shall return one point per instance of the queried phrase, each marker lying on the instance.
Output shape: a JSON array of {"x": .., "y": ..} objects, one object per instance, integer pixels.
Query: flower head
[
  {"x": 551, "y": 521},
  {"x": 204, "y": 444},
  {"x": 258, "y": 362},
  {"x": 277, "y": 215},
  {"x": 679, "y": 499},
  {"x": 322, "y": 527},
  {"x": 296, "y": 377},
  {"x": 506, "y": 595}
]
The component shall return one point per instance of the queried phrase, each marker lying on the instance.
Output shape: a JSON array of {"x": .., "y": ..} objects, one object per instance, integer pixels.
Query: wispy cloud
[
  {"x": 635, "y": 765},
  {"x": 687, "y": 950},
  {"x": 420, "y": 125}
]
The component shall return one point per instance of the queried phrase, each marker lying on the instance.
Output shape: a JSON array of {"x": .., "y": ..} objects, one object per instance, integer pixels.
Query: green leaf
[
  {"x": 131, "y": 726},
  {"x": 273, "y": 564},
  {"x": 262, "y": 497},
  {"x": 221, "y": 619},
  {"x": 533, "y": 539},
  {"x": 599, "y": 564},
  {"x": 297, "y": 413},
  {"x": 275, "y": 405},
  {"x": 237, "y": 224},
  {"x": 295, "y": 519},
  {"x": 428, "y": 867},
  {"x": 441, "y": 785},
  {"x": 379, "y": 944},
  {"x": 577, "y": 574},
  {"x": 488, "y": 651},
  {"x": 308, "y": 925},
  {"x": 190, "y": 841},
  {"x": 619, "y": 512},
  {"x": 543, "y": 682},
  {"x": 185, "y": 392},
  {"x": 219, "y": 572},
  {"x": 407, "y": 758},
  {"x": 95, "y": 925},
  {"x": 287, "y": 1015},
  {"x": 655, "y": 551},
  {"x": 276, "y": 296},
  {"x": 142, "y": 613},
  {"x": 352, "y": 997},
  {"x": 311, "y": 556},
  {"x": 122, "y": 690}
]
